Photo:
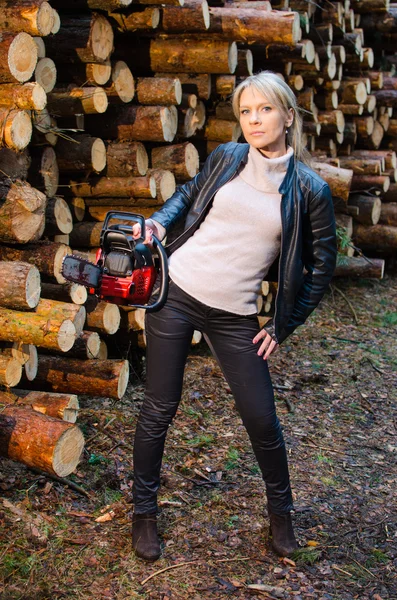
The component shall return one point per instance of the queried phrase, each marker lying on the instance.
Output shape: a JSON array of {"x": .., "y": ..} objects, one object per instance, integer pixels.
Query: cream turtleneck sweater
[{"x": 223, "y": 264}]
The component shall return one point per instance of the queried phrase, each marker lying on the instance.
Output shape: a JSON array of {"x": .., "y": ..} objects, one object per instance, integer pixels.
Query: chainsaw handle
[
  {"x": 164, "y": 279},
  {"x": 124, "y": 216}
]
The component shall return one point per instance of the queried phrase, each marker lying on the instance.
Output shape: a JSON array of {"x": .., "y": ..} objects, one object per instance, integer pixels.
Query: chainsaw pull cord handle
[{"x": 164, "y": 279}]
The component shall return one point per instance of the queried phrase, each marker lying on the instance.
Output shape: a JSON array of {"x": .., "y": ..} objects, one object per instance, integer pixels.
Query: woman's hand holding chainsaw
[{"x": 150, "y": 229}]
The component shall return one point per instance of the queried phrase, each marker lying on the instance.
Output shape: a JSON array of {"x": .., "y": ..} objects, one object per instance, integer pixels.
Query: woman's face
[{"x": 263, "y": 124}]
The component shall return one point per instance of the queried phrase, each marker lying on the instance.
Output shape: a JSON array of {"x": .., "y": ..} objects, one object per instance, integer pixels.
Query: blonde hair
[{"x": 274, "y": 88}]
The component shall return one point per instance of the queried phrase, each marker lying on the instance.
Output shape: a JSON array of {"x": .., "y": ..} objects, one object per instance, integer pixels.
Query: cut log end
[
  {"x": 22, "y": 57},
  {"x": 46, "y": 75},
  {"x": 98, "y": 155},
  {"x": 66, "y": 335},
  {"x": 99, "y": 73},
  {"x": 68, "y": 451},
  {"x": 45, "y": 19},
  {"x": 123, "y": 81},
  {"x": 232, "y": 57},
  {"x": 123, "y": 379},
  {"x": 17, "y": 129},
  {"x": 32, "y": 287},
  {"x": 10, "y": 371},
  {"x": 102, "y": 38}
]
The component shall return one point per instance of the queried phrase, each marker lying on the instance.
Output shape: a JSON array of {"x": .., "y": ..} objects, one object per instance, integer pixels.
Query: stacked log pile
[{"x": 115, "y": 103}]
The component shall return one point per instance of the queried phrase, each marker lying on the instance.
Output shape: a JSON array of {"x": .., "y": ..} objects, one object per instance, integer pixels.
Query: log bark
[
  {"x": 146, "y": 19},
  {"x": 58, "y": 218},
  {"x": 107, "y": 378},
  {"x": 199, "y": 84},
  {"x": 359, "y": 266},
  {"x": 81, "y": 152},
  {"x": 46, "y": 256},
  {"x": 22, "y": 212},
  {"x": 250, "y": 25},
  {"x": 58, "y": 406},
  {"x": 389, "y": 156},
  {"x": 181, "y": 159},
  {"x": 222, "y": 131},
  {"x": 86, "y": 346},
  {"x": 83, "y": 5},
  {"x": 99, "y": 212},
  {"x": 14, "y": 165},
  {"x": 61, "y": 311},
  {"x": 371, "y": 182},
  {"x": 339, "y": 180},
  {"x": 86, "y": 235},
  {"x": 137, "y": 123},
  {"x": 45, "y": 74},
  {"x": 122, "y": 86},
  {"x": 35, "y": 18},
  {"x": 86, "y": 38},
  {"x": 103, "y": 351},
  {"x": 165, "y": 91},
  {"x": 75, "y": 100},
  {"x": 19, "y": 285},
  {"x": 126, "y": 159},
  {"x": 331, "y": 121},
  {"x": 193, "y": 56},
  {"x": 39, "y": 441},
  {"x": 31, "y": 328},
  {"x": 44, "y": 171},
  {"x": 67, "y": 292},
  {"x": 18, "y": 57},
  {"x": 388, "y": 214},
  {"x": 16, "y": 128},
  {"x": 378, "y": 237},
  {"x": 103, "y": 318},
  {"x": 362, "y": 166},
  {"x": 192, "y": 17},
  {"x": 116, "y": 187},
  {"x": 369, "y": 208},
  {"x": 29, "y": 96}
]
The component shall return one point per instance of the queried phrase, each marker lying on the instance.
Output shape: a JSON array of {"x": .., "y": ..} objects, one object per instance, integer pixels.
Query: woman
[{"x": 250, "y": 204}]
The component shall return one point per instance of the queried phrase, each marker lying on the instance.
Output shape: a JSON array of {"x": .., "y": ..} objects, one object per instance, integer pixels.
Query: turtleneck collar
[{"x": 265, "y": 174}]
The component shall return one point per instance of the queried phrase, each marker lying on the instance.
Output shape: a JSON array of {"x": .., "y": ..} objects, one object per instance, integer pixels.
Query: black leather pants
[{"x": 169, "y": 333}]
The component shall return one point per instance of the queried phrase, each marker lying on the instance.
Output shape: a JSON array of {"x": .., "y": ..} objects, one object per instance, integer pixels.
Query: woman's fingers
[
  {"x": 267, "y": 346},
  {"x": 136, "y": 231}
]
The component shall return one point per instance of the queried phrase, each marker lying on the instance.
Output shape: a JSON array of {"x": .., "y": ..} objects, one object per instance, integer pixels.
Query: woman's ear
[{"x": 290, "y": 119}]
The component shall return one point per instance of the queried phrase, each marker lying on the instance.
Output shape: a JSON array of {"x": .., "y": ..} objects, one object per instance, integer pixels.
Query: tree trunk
[
  {"x": 332, "y": 121},
  {"x": 388, "y": 214},
  {"x": 377, "y": 237},
  {"x": 103, "y": 318},
  {"x": 339, "y": 180},
  {"x": 116, "y": 187},
  {"x": 58, "y": 406},
  {"x": 44, "y": 171},
  {"x": 165, "y": 185},
  {"x": 31, "y": 328},
  {"x": 359, "y": 266},
  {"x": 46, "y": 256},
  {"x": 16, "y": 128},
  {"x": 68, "y": 292},
  {"x": 61, "y": 311},
  {"x": 29, "y": 96},
  {"x": 389, "y": 156},
  {"x": 58, "y": 218},
  {"x": 122, "y": 87},
  {"x": 192, "y": 17},
  {"x": 84, "y": 5},
  {"x": 18, "y": 57},
  {"x": 81, "y": 152},
  {"x": 86, "y": 235},
  {"x": 84, "y": 73},
  {"x": 222, "y": 131},
  {"x": 10, "y": 371},
  {"x": 181, "y": 159},
  {"x": 14, "y": 165},
  {"x": 76, "y": 100},
  {"x": 165, "y": 91},
  {"x": 250, "y": 25},
  {"x": 193, "y": 56},
  {"x": 194, "y": 83},
  {"x": 371, "y": 182},
  {"x": 22, "y": 212},
  {"x": 137, "y": 123},
  {"x": 369, "y": 208},
  {"x": 40, "y": 441},
  {"x": 144, "y": 20},
  {"x": 362, "y": 166},
  {"x": 107, "y": 378},
  {"x": 19, "y": 285},
  {"x": 87, "y": 38},
  {"x": 35, "y": 18},
  {"x": 126, "y": 159},
  {"x": 99, "y": 212}
]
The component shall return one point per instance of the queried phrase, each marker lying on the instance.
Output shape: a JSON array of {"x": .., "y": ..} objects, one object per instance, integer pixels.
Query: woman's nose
[{"x": 254, "y": 118}]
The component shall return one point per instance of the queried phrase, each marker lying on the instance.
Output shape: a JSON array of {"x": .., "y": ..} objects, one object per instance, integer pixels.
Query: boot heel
[
  {"x": 145, "y": 540},
  {"x": 283, "y": 537}
]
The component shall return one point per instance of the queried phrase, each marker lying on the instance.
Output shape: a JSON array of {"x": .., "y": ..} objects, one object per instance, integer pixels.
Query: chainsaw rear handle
[{"x": 164, "y": 279}]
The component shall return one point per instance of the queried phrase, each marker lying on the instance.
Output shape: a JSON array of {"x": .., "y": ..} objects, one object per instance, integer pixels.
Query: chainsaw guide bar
[{"x": 79, "y": 270}]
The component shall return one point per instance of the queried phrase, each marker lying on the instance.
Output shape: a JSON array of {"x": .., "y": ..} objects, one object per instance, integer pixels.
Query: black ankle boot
[
  {"x": 144, "y": 536},
  {"x": 283, "y": 537}
]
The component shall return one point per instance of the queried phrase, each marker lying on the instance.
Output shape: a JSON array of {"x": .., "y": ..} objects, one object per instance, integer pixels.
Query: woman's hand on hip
[{"x": 267, "y": 346}]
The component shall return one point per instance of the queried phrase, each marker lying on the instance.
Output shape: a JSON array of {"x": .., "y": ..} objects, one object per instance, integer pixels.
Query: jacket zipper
[
  {"x": 279, "y": 269},
  {"x": 204, "y": 208}
]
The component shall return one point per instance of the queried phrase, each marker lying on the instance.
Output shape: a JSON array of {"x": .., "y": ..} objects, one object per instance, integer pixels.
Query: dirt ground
[{"x": 335, "y": 381}]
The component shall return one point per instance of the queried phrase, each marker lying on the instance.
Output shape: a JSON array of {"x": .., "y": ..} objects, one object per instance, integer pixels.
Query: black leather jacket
[{"x": 308, "y": 241}]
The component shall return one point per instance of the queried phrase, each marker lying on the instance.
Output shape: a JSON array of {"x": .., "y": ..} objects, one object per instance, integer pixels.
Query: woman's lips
[{"x": 257, "y": 133}]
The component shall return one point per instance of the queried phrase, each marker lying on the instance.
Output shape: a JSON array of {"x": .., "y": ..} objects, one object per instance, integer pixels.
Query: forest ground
[{"x": 335, "y": 383}]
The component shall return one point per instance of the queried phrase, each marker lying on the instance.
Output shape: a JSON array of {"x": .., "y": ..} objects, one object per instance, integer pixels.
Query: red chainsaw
[{"x": 125, "y": 270}]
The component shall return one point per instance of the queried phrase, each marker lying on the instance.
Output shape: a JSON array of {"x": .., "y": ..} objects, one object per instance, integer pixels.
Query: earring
[{"x": 286, "y": 132}]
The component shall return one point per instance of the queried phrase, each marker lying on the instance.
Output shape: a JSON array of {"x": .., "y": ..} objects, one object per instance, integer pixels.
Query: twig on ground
[
  {"x": 64, "y": 481},
  {"x": 342, "y": 571},
  {"x": 346, "y": 299},
  {"x": 313, "y": 444},
  {"x": 364, "y": 568}
]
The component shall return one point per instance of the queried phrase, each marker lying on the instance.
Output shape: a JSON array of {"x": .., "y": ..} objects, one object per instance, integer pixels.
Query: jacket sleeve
[
  {"x": 319, "y": 259},
  {"x": 177, "y": 207}
]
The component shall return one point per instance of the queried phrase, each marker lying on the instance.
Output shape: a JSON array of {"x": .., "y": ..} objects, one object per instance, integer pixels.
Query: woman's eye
[
  {"x": 267, "y": 108},
  {"x": 244, "y": 111}
]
